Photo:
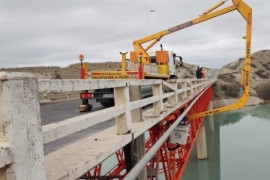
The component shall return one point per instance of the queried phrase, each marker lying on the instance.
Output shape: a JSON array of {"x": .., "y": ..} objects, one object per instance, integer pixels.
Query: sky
[{"x": 55, "y": 32}]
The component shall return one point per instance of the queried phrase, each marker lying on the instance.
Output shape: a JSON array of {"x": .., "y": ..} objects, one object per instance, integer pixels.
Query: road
[
  {"x": 212, "y": 74},
  {"x": 53, "y": 112},
  {"x": 56, "y": 111}
]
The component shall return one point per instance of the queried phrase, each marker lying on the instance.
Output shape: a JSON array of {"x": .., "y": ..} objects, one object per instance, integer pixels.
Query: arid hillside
[
  {"x": 230, "y": 75},
  {"x": 73, "y": 71},
  {"x": 260, "y": 68},
  {"x": 228, "y": 85}
]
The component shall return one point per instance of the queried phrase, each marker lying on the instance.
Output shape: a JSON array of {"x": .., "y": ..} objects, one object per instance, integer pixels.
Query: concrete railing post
[
  {"x": 135, "y": 94},
  {"x": 158, "y": 106},
  {"x": 183, "y": 95},
  {"x": 198, "y": 84},
  {"x": 20, "y": 126},
  {"x": 195, "y": 87},
  {"x": 173, "y": 99},
  {"x": 201, "y": 144},
  {"x": 190, "y": 85},
  {"x": 123, "y": 122}
]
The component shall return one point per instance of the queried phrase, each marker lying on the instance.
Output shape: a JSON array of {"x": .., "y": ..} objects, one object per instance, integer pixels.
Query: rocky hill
[
  {"x": 260, "y": 68},
  {"x": 73, "y": 71},
  {"x": 230, "y": 75}
]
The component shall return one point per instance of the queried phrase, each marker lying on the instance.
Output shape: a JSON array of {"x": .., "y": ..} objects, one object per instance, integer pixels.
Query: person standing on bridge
[{"x": 199, "y": 72}]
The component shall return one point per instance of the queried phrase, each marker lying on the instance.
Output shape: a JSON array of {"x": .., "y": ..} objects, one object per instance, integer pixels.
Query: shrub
[
  {"x": 187, "y": 77},
  {"x": 253, "y": 65},
  {"x": 57, "y": 76},
  {"x": 261, "y": 75},
  {"x": 226, "y": 77},
  {"x": 241, "y": 59},
  {"x": 231, "y": 90},
  {"x": 234, "y": 67},
  {"x": 263, "y": 90},
  {"x": 191, "y": 72},
  {"x": 265, "y": 65}
]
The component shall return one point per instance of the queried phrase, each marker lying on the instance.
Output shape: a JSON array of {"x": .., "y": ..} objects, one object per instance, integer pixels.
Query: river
[{"x": 238, "y": 147}]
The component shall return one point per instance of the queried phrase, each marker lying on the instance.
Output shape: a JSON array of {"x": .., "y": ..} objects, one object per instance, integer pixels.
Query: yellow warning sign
[{"x": 111, "y": 77}]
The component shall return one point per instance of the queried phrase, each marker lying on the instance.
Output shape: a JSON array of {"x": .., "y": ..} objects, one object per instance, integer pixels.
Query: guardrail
[{"x": 22, "y": 136}]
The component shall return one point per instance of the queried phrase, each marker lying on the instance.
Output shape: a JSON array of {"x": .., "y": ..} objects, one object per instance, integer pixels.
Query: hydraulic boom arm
[{"x": 245, "y": 11}]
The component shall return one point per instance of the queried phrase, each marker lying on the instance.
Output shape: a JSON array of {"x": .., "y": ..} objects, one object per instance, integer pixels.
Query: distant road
[{"x": 212, "y": 74}]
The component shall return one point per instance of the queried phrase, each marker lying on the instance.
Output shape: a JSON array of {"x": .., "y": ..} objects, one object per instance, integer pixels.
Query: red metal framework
[{"x": 170, "y": 159}]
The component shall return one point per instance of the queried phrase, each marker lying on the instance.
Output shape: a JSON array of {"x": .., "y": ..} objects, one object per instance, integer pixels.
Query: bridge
[
  {"x": 139, "y": 138},
  {"x": 143, "y": 137}
]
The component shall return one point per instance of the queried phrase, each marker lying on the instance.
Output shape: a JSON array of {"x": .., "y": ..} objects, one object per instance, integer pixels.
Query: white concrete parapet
[
  {"x": 22, "y": 137},
  {"x": 20, "y": 127}
]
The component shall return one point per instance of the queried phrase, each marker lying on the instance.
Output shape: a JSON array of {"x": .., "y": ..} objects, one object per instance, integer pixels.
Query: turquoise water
[{"x": 238, "y": 145}]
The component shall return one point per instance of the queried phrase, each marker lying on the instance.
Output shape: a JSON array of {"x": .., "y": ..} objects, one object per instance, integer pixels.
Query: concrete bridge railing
[{"x": 22, "y": 136}]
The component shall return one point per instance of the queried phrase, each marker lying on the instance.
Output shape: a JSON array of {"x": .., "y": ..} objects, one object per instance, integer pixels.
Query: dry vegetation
[{"x": 263, "y": 90}]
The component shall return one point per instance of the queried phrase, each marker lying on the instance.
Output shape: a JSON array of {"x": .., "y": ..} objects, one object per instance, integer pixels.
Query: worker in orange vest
[{"x": 203, "y": 73}]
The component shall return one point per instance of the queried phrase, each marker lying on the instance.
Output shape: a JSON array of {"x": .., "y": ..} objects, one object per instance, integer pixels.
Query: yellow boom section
[{"x": 245, "y": 11}]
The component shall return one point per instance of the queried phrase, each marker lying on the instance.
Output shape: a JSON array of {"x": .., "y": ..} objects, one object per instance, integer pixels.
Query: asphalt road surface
[
  {"x": 56, "y": 111},
  {"x": 52, "y": 112}
]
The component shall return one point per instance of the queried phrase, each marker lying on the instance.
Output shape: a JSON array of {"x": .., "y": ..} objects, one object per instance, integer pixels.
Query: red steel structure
[{"x": 170, "y": 159}]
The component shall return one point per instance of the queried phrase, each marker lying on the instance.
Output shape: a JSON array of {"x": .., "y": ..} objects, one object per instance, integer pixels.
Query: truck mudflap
[{"x": 85, "y": 107}]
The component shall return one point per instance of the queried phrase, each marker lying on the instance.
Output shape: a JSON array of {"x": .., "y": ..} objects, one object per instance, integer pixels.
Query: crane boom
[{"x": 245, "y": 11}]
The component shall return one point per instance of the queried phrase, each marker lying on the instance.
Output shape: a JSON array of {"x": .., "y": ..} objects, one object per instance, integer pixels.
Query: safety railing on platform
[
  {"x": 148, "y": 68},
  {"x": 22, "y": 136}
]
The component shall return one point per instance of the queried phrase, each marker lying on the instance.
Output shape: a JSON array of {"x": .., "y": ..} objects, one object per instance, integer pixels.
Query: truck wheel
[
  {"x": 104, "y": 104},
  {"x": 111, "y": 102}
]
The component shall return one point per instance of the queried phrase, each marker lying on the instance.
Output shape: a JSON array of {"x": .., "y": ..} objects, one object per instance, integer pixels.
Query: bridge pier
[
  {"x": 201, "y": 144},
  {"x": 203, "y": 170},
  {"x": 201, "y": 138}
]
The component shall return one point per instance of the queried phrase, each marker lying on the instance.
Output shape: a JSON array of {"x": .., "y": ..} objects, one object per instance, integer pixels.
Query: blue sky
[{"x": 54, "y": 33}]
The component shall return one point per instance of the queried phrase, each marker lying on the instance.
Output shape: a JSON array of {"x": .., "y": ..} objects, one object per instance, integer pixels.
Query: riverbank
[{"x": 252, "y": 101}]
